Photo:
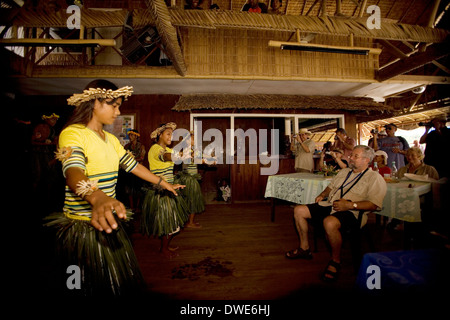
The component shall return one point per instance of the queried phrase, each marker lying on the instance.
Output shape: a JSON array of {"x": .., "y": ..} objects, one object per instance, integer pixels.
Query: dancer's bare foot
[
  {"x": 169, "y": 254},
  {"x": 192, "y": 225}
]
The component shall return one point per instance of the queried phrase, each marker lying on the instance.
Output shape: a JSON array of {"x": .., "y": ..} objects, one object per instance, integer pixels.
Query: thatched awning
[
  {"x": 275, "y": 101},
  {"x": 338, "y": 26},
  {"x": 227, "y": 19}
]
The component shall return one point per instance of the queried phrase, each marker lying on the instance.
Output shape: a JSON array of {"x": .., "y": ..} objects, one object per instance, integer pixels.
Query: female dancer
[
  {"x": 89, "y": 234},
  {"x": 192, "y": 193},
  {"x": 163, "y": 215},
  {"x": 133, "y": 184}
]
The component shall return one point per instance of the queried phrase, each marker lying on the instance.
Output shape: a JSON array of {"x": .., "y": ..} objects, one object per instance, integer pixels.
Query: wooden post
[
  {"x": 298, "y": 35},
  {"x": 323, "y": 8},
  {"x": 362, "y": 8},
  {"x": 338, "y": 8},
  {"x": 81, "y": 32}
]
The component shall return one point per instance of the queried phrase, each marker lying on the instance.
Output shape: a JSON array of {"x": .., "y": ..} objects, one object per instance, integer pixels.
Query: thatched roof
[
  {"x": 225, "y": 19},
  {"x": 275, "y": 101},
  {"x": 338, "y": 26}
]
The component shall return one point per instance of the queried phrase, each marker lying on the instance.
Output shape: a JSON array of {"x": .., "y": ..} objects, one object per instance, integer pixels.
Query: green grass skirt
[
  {"x": 163, "y": 213},
  {"x": 192, "y": 193},
  {"x": 107, "y": 262}
]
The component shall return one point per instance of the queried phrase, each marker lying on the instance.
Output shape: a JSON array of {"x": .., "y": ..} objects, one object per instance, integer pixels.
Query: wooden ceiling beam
[
  {"x": 392, "y": 49},
  {"x": 414, "y": 61},
  {"x": 441, "y": 66},
  {"x": 36, "y": 42}
]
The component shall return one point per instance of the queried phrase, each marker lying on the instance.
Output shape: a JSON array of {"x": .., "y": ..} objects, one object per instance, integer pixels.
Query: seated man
[{"x": 353, "y": 189}]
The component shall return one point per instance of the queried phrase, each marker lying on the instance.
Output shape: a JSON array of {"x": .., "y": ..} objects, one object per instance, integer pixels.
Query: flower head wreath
[
  {"x": 134, "y": 132},
  {"x": 53, "y": 115},
  {"x": 158, "y": 131},
  {"x": 99, "y": 93}
]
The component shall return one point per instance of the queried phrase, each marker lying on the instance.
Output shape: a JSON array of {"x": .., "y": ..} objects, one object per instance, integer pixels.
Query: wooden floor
[{"x": 238, "y": 254}]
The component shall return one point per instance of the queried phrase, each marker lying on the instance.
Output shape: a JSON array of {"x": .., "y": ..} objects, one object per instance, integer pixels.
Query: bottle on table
[
  {"x": 394, "y": 171},
  {"x": 375, "y": 167}
]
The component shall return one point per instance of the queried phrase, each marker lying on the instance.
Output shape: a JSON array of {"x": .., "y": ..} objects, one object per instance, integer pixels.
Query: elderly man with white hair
[{"x": 354, "y": 189}]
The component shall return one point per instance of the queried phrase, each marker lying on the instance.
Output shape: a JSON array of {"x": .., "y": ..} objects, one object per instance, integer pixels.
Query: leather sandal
[
  {"x": 299, "y": 253},
  {"x": 328, "y": 275}
]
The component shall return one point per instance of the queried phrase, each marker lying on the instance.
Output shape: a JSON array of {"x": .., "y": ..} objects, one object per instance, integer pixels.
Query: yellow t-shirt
[
  {"x": 100, "y": 159},
  {"x": 158, "y": 165}
]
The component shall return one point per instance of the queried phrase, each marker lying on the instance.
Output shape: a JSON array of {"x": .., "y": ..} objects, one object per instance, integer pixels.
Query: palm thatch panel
[
  {"x": 272, "y": 101},
  {"x": 245, "y": 53},
  {"x": 342, "y": 26}
]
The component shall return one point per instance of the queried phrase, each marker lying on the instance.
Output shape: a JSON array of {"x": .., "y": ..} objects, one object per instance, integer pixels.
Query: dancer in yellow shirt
[
  {"x": 163, "y": 215},
  {"x": 89, "y": 232}
]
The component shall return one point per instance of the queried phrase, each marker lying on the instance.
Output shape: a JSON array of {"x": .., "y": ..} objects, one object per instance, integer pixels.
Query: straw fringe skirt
[
  {"x": 192, "y": 193},
  {"x": 163, "y": 213},
  {"x": 107, "y": 262}
]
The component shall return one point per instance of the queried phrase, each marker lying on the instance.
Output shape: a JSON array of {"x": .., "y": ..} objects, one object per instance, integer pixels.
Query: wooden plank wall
[{"x": 152, "y": 110}]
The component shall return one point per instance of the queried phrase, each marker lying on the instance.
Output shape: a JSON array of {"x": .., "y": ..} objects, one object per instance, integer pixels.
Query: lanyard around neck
[{"x": 344, "y": 184}]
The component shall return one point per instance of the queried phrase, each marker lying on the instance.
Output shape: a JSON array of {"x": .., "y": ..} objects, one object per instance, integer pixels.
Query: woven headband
[
  {"x": 157, "y": 132},
  {"x": 53, "y": 115},
  {"x": 92, "y": 93}
]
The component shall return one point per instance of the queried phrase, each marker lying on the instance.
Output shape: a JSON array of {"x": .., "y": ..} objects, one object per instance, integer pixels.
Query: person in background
[
  {"x": 418, "y": 145},
  {"x": 255, "y": 6},
  {"x": 163, "y": 214},
  {"x": 416, "y": 165},
  {"x": 276, "y": 7},
  {"x": 335, "y": 159},
  {"x": 133, "y": 184},
  {"x": 303, "y": 148},
  {"x": 190, "y": 177},
  {"x": 381, "y": 160},
  {"x": 382, "y": 134},
  {"x": 343, "y": 142},
  {"x": 46, "y": 171},
  {"x": 394, "y": 146},
  {"x": 437, "y": 141},
  {"x": 195, "y": 5}
]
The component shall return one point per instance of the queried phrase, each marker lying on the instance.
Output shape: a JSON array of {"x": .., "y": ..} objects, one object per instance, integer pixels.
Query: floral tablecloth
[
  {"x": 402, "y": 200},
  {"x": 301, "y": 188}
]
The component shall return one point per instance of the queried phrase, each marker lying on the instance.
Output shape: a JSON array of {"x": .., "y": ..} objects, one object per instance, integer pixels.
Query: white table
[{"x": 402, "y": 200}]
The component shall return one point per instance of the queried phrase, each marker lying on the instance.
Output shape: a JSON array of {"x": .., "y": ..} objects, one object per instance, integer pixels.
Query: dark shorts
[{"x": 318, "y": 213}]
